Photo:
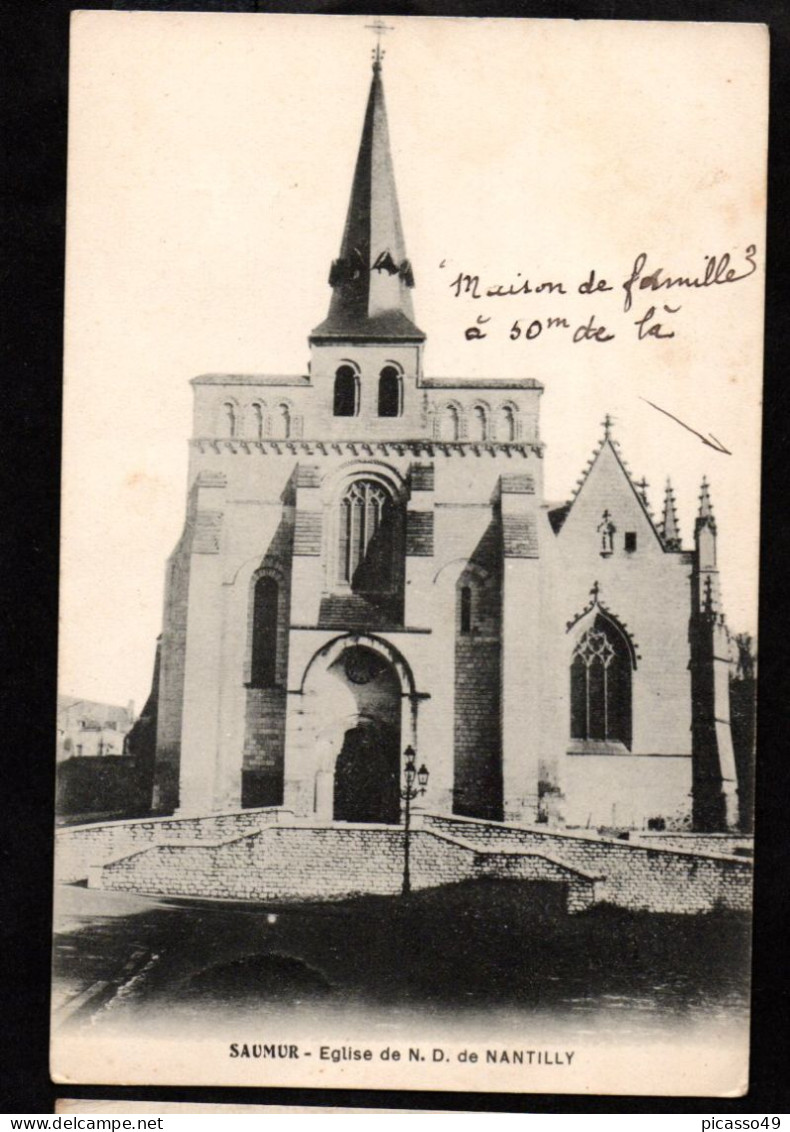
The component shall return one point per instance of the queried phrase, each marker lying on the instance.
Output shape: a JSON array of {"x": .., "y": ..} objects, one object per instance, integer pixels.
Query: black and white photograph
[{"x": 409, "y": 576}]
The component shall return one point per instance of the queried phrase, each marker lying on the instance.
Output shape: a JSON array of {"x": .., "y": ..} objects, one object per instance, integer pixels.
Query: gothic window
[
  {"x": 346, "y": 399},
  {"x": 601, "y": 686},
  {"x": 390, "y": 392},
  {"x": 466, "y": 609},
  {"x": 366, "y": 546},
  {"x": 257, "y": 421},
  {"x": 450, "y": 424},
  {"x": 479, "y": 424},
  {"x": 229, "y": 418},
  {"x": 264, "y": 632}
]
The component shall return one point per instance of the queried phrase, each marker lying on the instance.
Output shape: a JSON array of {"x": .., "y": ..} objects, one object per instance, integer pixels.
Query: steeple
[
  {"x": 670, "y": 529},
  {"x": 372, "y": 278}
]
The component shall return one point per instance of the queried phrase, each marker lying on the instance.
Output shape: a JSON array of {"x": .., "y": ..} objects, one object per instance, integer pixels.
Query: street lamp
[{"x": 408, "y": 794}]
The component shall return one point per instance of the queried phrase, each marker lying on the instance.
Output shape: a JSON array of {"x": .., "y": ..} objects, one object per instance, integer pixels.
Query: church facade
[{"x": 368, "y": 564}]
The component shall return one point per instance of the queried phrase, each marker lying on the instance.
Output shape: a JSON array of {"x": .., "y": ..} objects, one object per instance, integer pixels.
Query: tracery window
[
  {"x": 367, "y": 522},
  {"x": 346, "y": 394},
  {"x": 390, "y": 392},
  {"x": 601, "y": 685}
]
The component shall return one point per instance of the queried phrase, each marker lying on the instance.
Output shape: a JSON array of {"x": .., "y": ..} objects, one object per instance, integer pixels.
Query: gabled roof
[
  {"x": 372, "y": 277},
  {"x": 607, "y": 445}
]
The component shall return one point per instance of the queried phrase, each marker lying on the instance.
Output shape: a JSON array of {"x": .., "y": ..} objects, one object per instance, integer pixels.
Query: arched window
[
  {"x": 479, "y": 424},
  {"x": 263, "y": 668},
  {"x": 508, "y": 425},
  {"x": 257, "y": 421},
  {"x": 449, "y": 424},
  {"x": 229, "y": 418},
  {"x": 346, "y": 399},
  {"x": 366, "y": 545},
  {"x": 601, "y": 685},
  {"x": 466, "y": 609},
  {"x": 390, "y": 392},
  {"x": 281, "y": 422}
]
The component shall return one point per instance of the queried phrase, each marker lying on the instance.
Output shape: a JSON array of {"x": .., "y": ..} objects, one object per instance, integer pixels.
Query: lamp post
[{"x": 408, "y": 794}]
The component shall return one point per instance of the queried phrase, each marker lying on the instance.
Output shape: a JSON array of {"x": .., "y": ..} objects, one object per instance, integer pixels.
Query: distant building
[
  {"x": 87, "y": 729},
  {"x": 368, "y": 562}
]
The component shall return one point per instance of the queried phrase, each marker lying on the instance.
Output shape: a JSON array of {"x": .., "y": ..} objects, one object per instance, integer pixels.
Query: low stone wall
[
  {"x": 255, "y": 855},
  {"x": 330, "y": 863},
  {"x": 636, "y": 876},
  {"x": 289, "y": 864},
  {"x": 81, "y": 846}
]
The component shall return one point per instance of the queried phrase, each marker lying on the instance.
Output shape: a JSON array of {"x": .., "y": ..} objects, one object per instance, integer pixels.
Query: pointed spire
[
  {"x": 372, "y": 277},
  {"x": 705, "y": 516},
  {"x": 670, "y": 529}
]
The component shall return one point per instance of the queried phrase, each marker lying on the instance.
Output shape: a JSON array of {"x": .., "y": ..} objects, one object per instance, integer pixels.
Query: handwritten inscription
[{"x": 654, "y": 322}]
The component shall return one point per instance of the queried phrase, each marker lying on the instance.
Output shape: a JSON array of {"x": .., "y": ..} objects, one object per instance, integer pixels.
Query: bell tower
[{"x": 366, "y": 356}]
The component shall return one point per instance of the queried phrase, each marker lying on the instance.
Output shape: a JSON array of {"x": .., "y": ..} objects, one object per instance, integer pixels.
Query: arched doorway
[
  {"x": 364, "y": 689},
  {"x": 357, "y": 711},
  {"x": 366, "y": 785}
]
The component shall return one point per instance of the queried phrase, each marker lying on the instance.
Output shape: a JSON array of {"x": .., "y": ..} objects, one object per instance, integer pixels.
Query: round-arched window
[
  {"x": 449, "y": 423},
  {"x": 390, "y": 392},
  {"x": 346, "y": 394}
]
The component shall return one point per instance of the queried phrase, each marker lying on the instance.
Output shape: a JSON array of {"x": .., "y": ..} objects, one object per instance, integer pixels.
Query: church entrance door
[{"x": 366, "y": 775}]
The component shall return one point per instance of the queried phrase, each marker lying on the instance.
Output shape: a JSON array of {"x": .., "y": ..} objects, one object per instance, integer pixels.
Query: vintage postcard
[{"x": 410, "y": 528}]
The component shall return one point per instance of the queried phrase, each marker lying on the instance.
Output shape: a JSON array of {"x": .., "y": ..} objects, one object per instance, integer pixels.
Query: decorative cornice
[{"x": 363, "y": 448}]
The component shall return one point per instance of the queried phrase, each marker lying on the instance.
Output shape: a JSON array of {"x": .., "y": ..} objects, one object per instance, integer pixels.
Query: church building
[{"x": 368, "y": 564}]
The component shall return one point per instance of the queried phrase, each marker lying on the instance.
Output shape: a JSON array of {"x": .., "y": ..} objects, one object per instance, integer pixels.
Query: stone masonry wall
[
  {"x": 636, "y": 876},
  {"x": 79, "y": 847},
  {"x": 292, "y": 863},
  {"x": 330, "y": 863}
]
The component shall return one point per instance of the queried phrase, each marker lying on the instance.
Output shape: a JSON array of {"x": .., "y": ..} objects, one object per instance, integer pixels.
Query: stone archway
[
  {"x": 367, "y": 753},
  {"x": 354, "y": 714}
]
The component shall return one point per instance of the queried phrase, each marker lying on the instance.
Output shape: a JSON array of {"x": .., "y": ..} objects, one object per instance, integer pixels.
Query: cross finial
[
  {"x": 607, "y": 426},
  {"x": 594, "y": 592},
  {"x": 379, "y": 28}
]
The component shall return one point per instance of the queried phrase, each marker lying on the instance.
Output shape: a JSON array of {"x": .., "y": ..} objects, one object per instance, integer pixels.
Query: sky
[{"x": 210, "y": 163}]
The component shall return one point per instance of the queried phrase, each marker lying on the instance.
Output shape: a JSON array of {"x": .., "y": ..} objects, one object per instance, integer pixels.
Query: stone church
[{"x": 368, "y": 563}]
